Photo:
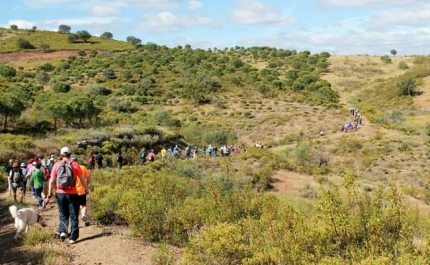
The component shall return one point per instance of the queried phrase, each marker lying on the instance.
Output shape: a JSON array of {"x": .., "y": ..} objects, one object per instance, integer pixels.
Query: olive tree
[
  {"x": 133, "y": 40},
  {"x": 106, "y": 36},
  {"x": 64, "y": 29},
  {"x": 83, "y": 35}
]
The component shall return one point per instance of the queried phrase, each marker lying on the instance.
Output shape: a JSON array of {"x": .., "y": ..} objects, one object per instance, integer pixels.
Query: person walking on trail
[
  {"x": 63, "y": 178},
  {"x": 16, "y": 177},
  {"x": 24, "y": 181},
  {"x": 119, "y": 160},
  {"x": 142, "y": 156},
  {"x": 151, "y": 156},
  {"x": 99, "y": 159},
  {"x": 92, "y": 161},
  {"x": 163, "y": 153},
  {"x": 8, "y": 169},
  {"x": 38, "y": 180},
  {"x": 81, "y": 191},
  {"x": 30, "y": 169}
]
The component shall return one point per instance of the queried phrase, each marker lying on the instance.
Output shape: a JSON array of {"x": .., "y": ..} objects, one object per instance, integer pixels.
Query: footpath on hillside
[{"x": 96, "y": 244}]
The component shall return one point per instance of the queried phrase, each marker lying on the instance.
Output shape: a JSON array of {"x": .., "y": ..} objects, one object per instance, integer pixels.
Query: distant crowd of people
[{"x": 353, "y": 125}]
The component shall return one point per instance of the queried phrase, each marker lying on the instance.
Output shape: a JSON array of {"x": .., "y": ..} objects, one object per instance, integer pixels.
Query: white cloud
[
  {"x": 254, "y": 12},
  {"x": 167, "y": 21},
  {"x": 193, "y": 5},
  {"x": 101, "y": 11},
  {"x": 149, "y": 4},
  {"x": 22, "y": 24},
  {"x": 47, "y": 3},
  {"x": 372, "y": 3},
  {"x": 81, "y": 20},
  {"x": 403, "y": 17}
]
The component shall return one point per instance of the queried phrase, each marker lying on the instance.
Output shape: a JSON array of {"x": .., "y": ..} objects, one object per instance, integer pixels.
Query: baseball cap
[
  {"x": 74, "y": 157},
  {"x": 65, "y": 151},
  {"x": 23, "y": 164}
]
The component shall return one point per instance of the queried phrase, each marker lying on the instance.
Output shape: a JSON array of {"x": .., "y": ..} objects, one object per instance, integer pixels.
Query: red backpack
[{"x": 45, "y": 171}]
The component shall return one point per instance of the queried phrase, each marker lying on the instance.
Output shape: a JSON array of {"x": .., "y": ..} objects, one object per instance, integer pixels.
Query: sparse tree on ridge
[
  {"x": 106, "y": 36},
  {"x": 133, "y": 40},
  {"x": 64, "y": 29},
  {"x": 13, "y": 27},
  {"x": 393, "y": 52},
  {"x": 83, "y": 35}
]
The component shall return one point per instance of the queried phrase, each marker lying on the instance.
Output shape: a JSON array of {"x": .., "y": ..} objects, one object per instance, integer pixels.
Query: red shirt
[{"x": 76, "y": 172}]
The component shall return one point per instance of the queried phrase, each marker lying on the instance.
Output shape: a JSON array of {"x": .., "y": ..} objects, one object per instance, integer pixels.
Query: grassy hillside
[
  {"x": 56, "y": 41},
  {"x": 359, "y": 197}
]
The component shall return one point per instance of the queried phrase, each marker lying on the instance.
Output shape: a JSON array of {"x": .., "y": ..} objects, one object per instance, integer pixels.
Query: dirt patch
[
  {"x": 423, "y": 99},
  {"x": 36, "y": 55}
]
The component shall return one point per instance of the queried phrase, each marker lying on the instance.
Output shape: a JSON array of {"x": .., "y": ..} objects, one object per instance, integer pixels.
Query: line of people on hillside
[
  {"x": 353, "y": 125},
  {"x": 67, "y": 177},
  {"x": 190, "y": 152}
]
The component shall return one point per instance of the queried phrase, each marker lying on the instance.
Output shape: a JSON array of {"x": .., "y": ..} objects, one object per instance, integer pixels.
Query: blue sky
[{"x": 345, "y": 27}]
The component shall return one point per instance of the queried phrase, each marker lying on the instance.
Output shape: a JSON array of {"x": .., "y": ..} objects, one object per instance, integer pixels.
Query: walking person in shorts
[{"x": 81, "y": 191}]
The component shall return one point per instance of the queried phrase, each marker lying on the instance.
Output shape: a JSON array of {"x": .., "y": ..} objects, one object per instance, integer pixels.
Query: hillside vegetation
[
  {"x": 358, "y": 197},
  {"x": 55, "y": 41}
]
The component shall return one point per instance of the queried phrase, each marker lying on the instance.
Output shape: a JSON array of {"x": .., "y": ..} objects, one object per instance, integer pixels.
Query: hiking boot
[
  {"x": 72, "y": 241},
  {"x": 63, "y": 236},
  {"x": 86, "y": 220}
]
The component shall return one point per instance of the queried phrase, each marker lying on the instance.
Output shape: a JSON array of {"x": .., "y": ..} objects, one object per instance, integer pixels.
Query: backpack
[
  {"x": 91, "y": 159},
  {"x": 17, "y": 176},
  {"x": 142, "y": 154},
  {"x": 45, "y": 171},
  {"x": 65, "y": 177},
  {"x": 119, "y": 158}
]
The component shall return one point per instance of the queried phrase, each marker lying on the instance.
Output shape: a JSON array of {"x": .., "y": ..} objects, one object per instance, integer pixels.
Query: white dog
[{"x": 25, "y": 218}]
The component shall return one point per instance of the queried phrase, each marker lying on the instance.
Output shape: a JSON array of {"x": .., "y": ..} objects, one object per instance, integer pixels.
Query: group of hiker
[
  {"x": 36, "y": 172},
  {"x": 190, "y": 152},
  {"x": 67, "y": 177},
  {"x": 352, "y": 125}
]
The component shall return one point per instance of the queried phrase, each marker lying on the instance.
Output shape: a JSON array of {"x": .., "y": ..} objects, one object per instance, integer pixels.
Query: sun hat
[{"x": 65, "y": 151}]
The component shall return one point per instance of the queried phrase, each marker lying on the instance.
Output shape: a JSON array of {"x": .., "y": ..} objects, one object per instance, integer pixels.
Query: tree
[
  {"x": 13, "y": 27},
  {"x": 83, "y": 35},
  {"x": 56, "y": 109},
  {"x": 45, "y": 47},
  {"x": 406, "y": 86},
  {"x": 106, "y": 36},
  {"x": 393, "y": 52},
  {"x": 61, "y": 87},
  {"x": 72, "y": 38},
  {"x": 11, "y": 105},
  {"x": 24, "y": 44},
  {"x": 133, "y": 40},
  {"x": 7, "y": 71},
  {"x": 43, "y": 77},
  {"x": 64, "y": 29}
]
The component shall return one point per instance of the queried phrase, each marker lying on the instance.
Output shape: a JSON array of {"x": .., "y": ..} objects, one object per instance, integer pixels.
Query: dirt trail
[{"x": 96, "y": 245}]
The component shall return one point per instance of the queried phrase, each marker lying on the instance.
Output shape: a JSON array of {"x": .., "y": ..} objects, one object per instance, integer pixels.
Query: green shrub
[
  {"x": 61, "y": 87},
  {"x": 402, "y": 65},
  {"x": 37, "y": 235},
  {"x": 7, "y": 71}
]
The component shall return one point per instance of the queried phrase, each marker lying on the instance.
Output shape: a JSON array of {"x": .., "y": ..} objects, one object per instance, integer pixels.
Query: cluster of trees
[
  {"x": 82, "y": 35},
  {"x": 158, "y": 74}
]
